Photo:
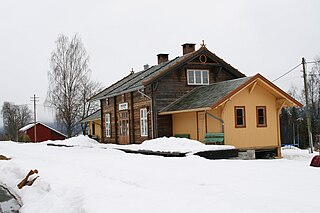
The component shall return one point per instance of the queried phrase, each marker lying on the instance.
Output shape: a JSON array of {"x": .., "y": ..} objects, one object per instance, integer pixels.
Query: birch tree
[{"x": 69, "y": 76}]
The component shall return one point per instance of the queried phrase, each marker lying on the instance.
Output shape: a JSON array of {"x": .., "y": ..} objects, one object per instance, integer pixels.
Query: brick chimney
[
  {"x": 188, "y": 48},
  {"x": 162, "y": 57}
]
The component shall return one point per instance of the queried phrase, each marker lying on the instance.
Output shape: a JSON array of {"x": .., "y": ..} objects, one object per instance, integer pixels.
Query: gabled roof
[
  {"x": 29, "y": 126},
  {"x": 92, "y": 117},
  {"x": 138, "y": 80},
  {"x": 213, "y": 95}
]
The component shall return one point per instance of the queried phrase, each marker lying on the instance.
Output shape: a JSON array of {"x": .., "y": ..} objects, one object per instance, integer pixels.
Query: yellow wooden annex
[
  {"x": 246, "y": 110},
  {"x": 94, "y": 125}
]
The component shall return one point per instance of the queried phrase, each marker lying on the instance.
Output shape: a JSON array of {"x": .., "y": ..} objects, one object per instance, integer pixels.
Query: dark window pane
[
  {"x": 205, "y": 77},
  {"x": 239, "y": 121},
  {"x": 261, "y": 120},
  {"x": 191, "y": 77},
  {"x": 260, "y": 112},
  {"x": 198, "y": 77}
]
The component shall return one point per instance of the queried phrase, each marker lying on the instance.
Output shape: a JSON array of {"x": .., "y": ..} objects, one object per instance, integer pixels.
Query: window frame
[
  {"x": 236, "y": 117},
  {"x": 194, "y": 71},
  {"x": 93, "y": 128},
  {"x": 144, "y": 122},
  {"x": 108, "y": 125},
  {"x": 264, "y": 116}
]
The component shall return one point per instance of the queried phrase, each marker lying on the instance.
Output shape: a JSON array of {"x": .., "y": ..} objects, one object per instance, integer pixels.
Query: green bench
[
  {"x": 182, "y": 136},
  {"x": 214, "y": 138}
]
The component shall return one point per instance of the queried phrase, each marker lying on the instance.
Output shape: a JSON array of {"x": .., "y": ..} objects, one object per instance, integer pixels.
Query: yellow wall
[
  {"x": 251, "y": 135},
  {"x": 97, "y": 124},
  {"x": 185, "y": 123},
  {"x": 214, "y": 125}
]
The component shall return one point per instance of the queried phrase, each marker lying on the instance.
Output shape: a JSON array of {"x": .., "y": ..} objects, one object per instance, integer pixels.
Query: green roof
[
  {"x": 205, "y": 96},
  {"x": 92, "y": 117}
]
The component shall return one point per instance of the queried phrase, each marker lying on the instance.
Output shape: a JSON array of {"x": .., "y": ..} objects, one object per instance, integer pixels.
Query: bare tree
[
  {"x": 14, "y": 118},
  {"x": 89, "y": 89},
  {"x": 68, "y": 76}
]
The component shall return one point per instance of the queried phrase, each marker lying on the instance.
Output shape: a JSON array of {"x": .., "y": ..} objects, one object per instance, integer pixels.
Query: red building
[{"x": 43, "y": 132}]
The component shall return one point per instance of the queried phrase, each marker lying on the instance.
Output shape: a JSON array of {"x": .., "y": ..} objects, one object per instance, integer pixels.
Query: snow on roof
[{"x": 25, "y": 128}]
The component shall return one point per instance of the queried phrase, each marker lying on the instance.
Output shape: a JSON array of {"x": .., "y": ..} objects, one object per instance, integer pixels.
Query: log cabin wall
[
  {"x": 135, "y": 102},
  {"x": 141, "y": 102},
  {"x": 108, "y": 108}
]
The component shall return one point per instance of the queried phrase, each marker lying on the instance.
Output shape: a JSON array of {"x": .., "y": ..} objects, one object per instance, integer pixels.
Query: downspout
[
  {"x": 151, "y": 110},
  {"x": 219, "y": 119}
]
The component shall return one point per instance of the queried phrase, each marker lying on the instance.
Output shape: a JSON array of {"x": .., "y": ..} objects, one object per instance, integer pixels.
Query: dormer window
[{"x": 198, "y": 77}]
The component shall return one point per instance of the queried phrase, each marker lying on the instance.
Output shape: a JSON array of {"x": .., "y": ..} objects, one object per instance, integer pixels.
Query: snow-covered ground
[{"x": 92, "y": 177}]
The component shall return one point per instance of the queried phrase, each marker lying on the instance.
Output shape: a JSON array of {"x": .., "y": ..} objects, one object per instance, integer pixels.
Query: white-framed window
[
  {"x": 144, "y": 122},
  {"x": 108, "y": 125},
  {"x": 198, "y": 77}
]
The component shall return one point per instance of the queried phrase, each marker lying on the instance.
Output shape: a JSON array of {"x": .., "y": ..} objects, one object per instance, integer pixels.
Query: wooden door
[
  {"x": 201, "y": 125},
  {"x": 124, "y": 136}
]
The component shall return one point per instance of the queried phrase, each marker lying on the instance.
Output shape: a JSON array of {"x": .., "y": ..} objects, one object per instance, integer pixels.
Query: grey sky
[{"x": 266, "y": 37}]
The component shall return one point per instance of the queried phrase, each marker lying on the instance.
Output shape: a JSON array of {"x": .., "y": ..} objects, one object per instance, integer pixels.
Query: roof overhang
[
  {"x": 265, "y": 83},
  {"x": 184, "y": 111}
]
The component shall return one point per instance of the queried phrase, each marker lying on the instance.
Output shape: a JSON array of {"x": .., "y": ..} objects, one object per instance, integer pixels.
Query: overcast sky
[{"x": 266, "y": 37}]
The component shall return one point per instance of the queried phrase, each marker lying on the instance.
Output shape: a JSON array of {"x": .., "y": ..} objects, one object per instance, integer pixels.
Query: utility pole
[
  {"x": 35, "y": 99},
  {"x": 307, "y": 105}
]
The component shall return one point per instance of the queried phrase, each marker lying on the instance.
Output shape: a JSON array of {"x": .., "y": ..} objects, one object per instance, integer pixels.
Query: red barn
[{"x": 43, "y": 133}]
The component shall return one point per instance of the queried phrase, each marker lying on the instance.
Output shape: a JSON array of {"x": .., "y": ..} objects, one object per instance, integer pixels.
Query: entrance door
[
  {"x": 201, "y": 125},
  {"x": 124, "y": 128}
]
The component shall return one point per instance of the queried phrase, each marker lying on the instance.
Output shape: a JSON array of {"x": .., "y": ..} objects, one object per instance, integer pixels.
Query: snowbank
[
  {"x": 294, "y": 153},
  {"x": 94, "y": 180},
  {"x": 81, "y": 140},
  {"x": 173, "y": 144}
]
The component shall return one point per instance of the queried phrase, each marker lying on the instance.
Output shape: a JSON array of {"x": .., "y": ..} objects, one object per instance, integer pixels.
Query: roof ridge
[
  {"x": 235, "y": 79},
  {"x": 185, "y": 58},
  {"x": 143, "y": 71},
  {"x": 109, "y": 86}
]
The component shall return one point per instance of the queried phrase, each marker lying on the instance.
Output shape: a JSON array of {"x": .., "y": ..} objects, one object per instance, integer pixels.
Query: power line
[
  {"x": 287, "y": 72},
  {"x": 312, "y": 62}
]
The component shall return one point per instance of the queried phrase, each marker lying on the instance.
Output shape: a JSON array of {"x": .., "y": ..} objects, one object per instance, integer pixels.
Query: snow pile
[
  {"x": 289, "y": 147},
  {"x": 81, "y": 140},
  {"x": 294, "y": 153},
  {"x": 173, "y": 144}
]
